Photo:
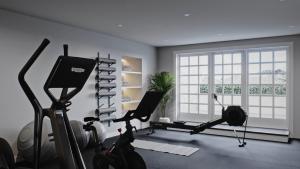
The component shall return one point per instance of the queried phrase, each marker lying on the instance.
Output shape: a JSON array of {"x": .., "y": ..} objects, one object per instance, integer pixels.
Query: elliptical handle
[{"x": 33, "y": 100}]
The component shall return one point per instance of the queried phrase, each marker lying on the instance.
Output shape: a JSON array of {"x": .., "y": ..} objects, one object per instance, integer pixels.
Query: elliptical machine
[
  {"x": 67, "y": 73},
  {"x": 122, "y": 155}
]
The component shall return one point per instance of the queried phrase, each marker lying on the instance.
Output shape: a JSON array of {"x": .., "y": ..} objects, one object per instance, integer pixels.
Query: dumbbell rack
[{"x": 104, "y": 86}]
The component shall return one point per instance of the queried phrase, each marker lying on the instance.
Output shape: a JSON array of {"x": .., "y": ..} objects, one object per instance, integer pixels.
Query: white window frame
[{"x": 244, "y": 49}]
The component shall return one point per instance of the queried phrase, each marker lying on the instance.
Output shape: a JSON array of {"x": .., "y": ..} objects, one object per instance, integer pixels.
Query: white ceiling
[{"x": 162, "y": 22}]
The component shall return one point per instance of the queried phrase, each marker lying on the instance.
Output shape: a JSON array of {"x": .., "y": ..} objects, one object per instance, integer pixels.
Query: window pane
[
  {"x": 203, "y": 70},
  {"x": 228, "y": 89},
  {"x": 280, "y": 56},
  {"x": 203, "y": 89},
  {"x": 266, "y": 112},
  {"x": 266, "y": 68},
  {"x": 227, "y": 100},
  {"x": 184, "y": 80},
  {"x": 280, "y": 68},
  {"x": 203, "y": 99},
  {"x": 267, "y": 89},
  {"x": 218, "y": 59},
  {"x": 194, "y": 70},
  {"x": 184, "y": 98},
  {"x": 194, "y": 89},
  {"x": 184, "y": 89},
  {"x": 237, "y": 100},
  {"x": 227, "y": 79},
  {"x": 218, "y": 79},
  {"x": 203, "y": 60},
  {"x": 266, "y": 79},
  {"x": 193, "y": 99},
  {"x": 227, "y": 69},
  {"x": 203, "y": 109},
  {"x": 254, "y": 89},
  {"x": 219, "y": 89},
  {"x": 236, "y": 69},
  {"x": 237, "y": 58},
  {"x": 218, "y": 110},
  {"x": 254, "y": 111},
  {"x": 220, "y": 99},
  {"x": 253, "y": 57},
  {"x": 253, "y": 79},
  {"x": 184, "y": 61},
  {"x": 254, "y": 68},
  {"x": 280, "y": 90},
  {"x": 184, "y": 108},
  {"x": 184, "y": 70},
  {"x": 267, "y": 56},
  {"x": 266, "y": 101},
  {"x": 193, "y": 60},
  {"x": 253, "y": 100},
  {"x": 194, "y": 79},
  {"x": 194, "y": 108},
  {"x": 280, "y": 79},
  {"x": 237, "y": 89},
  {"x": 227, "y": 59},
  {"x": 218, "y": 69},
  {"x": 236, "y": 79},
  {"x": 203, "y": 79},
  {"x": 280, "y": 101},
  {"x": 280, "y": 113}
]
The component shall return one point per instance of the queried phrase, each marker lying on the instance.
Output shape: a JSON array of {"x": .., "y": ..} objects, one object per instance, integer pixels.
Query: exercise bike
[{"x": 122, "y": 155}]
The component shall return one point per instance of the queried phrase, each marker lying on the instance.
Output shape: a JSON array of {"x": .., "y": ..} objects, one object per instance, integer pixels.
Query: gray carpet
[
  {"x": 214, "y": 152},
  {"x": 221, "y": 153}
]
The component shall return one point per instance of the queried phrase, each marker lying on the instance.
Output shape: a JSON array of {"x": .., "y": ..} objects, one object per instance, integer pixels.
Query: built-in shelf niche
[{"x": 131, "y": 82}]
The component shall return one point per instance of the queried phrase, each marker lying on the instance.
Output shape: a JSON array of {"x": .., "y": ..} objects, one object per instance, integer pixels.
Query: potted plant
[{"x": 163, "y": 82}]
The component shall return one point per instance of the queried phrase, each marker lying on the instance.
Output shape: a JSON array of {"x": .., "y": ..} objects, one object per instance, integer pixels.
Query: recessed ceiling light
[
  {"x": 187, "y": 14},
  {"x": 120, "y": 25},
  {"x": 282, "y": 0}
]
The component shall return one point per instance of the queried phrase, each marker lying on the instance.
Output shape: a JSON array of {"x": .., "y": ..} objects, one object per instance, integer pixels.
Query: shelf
[
  {"x": 131, "y": 87},
  {"x": 131, "y": 101},
  {"x": 131, "y": 72}
]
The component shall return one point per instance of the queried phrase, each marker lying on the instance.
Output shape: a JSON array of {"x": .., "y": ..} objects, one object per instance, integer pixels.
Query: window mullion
[
  {"x": 244, "y": 80},
  {"x": 211, "y": 85}
]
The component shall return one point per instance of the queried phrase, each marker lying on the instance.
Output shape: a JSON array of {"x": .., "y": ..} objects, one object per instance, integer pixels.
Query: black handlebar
[
  {"x": 38, "y": 110},
  {"x": 33, "y": 100}
]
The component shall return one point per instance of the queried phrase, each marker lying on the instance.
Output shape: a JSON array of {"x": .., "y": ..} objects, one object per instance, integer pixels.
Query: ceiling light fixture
[
  {"x": 187, "y": 14},
  {"x": 120, "y": 25},
  {"x": 282, "y": 0}
]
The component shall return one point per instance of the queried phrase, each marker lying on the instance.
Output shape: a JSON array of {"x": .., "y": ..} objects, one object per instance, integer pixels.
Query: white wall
[
  {"x": 19, "y": 37},
  {"x": 166, "y": 61}
]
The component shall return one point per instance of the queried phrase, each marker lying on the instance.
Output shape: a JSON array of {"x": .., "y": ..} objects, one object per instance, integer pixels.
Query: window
[
  {"x": 227, "y": 79},
  {"x": 255, "y": 79},
  {"x": 193, "y": 86},
  {"x": 267, "y": 90}
]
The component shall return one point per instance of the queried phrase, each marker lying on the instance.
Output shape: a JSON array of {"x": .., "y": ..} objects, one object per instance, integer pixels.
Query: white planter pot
[{"x": 164, "y": 119}]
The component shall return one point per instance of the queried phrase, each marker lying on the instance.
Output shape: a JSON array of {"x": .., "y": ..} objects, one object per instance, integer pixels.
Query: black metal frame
[
  {"x": 116, "y": 154},
  {"x": 66, "y": 146},
  {"x": 99, "y": 86},
  {"x": 195, "y": 129}
]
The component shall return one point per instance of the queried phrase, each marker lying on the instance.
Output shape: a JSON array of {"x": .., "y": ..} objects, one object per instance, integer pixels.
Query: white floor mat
[{"x": 166, "y": 148}]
